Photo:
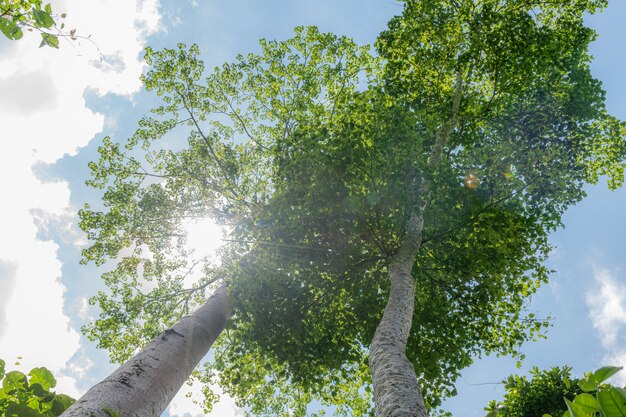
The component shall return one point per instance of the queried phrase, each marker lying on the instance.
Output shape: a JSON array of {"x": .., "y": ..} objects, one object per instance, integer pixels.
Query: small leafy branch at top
[
  {"x": 32, "y": 15},
  {"x": 598, "y": 398}
]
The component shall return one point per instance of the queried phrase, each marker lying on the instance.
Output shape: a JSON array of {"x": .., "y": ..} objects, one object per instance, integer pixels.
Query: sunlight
[{"x": 204, "y": 238}]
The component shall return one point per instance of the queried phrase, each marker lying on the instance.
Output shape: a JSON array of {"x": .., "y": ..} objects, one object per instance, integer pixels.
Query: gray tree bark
[
  {"x": 147, "y": 383},
  {"x": 396, "y": 393}
]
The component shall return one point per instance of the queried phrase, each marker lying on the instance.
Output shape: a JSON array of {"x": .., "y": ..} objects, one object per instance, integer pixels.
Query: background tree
[
  {"x": 542, "y": 394},
  {"x": 422, "y": 185}
]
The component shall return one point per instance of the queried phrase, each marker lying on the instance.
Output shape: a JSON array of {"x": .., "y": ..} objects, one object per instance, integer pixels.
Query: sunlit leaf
[
  {"x": 587, "y": 384},
  {"x": 49, "y": 40},
  {"x": 43, "y": 19},
  {"x": 606, "y": 372},
  {"x": 612, "y": 402},
  {"x": 587, "y": 402},
  {"x": 579, "y": 410},
  {"x": 10, "y": 29},
  {"x": 42, "y": 376},
  {"x": 14, "y": 380}
]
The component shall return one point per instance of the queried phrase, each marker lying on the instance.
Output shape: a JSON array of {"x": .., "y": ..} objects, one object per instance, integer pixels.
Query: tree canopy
[{"x": 313, "y": 154}]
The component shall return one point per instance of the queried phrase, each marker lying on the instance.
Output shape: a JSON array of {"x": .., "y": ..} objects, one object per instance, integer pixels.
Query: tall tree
[
  {"x": 390, "y": 212},
  {"x": 145, "y": 384}
]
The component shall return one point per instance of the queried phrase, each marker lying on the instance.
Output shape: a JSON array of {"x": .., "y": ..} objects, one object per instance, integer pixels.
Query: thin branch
[
  {"x": 243, "y": 124},
  {"x": 201, "y": 132},
  {"x": 444, "y": 132}
]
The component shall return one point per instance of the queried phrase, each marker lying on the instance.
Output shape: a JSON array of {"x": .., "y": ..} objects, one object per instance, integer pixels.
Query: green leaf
[
  {"x": 42, "y": 376},
  {"x": 587, "y": 385},
  {"x": 38, "y": 391},
  {"x": 61, "y": 403},
  {"x": 612, "y": 402},
  {"x": 19, "y": 410},
  {"x": 10, "y": 29},
  {"x": 578, "y": 410},
  {"x": 587, "y": 401},
  {"x": 43, "y": 19},
  {"x": 606, "y": 372},
  {"x": 14, "y": 380},
  {"x": 49, "y": 40},
  {"x": 567, "y": 382},
  {"x": 621, "y": 391},
  {"x": 2, "y": 364}
]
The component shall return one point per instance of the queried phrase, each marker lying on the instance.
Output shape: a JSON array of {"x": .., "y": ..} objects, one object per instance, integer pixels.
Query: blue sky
[{"x": 55, "y": 107}]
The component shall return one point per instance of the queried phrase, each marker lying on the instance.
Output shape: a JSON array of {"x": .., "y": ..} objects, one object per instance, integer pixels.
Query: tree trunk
[
  {"x": 396, "y": 393},
  {"x": 146, "y": 383}
]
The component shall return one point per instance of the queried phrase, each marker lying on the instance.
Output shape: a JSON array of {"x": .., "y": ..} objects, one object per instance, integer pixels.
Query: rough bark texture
[
  {"x": 146, "y": 383},
  {"x": 396, "y": 392}
]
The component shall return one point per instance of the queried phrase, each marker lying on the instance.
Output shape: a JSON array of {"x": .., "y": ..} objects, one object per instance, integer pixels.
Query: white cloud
[
  {"x": 83, "y": 311},
  {"x": 607, "y": 305},
  {"x": 7, "y": 283},
  {"x": 607, "y": 309},
  {"x": 43, "y": 115},
  {"x": 27, "y": 92}
]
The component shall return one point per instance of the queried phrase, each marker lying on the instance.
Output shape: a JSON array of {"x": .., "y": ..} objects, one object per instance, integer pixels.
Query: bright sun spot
[{"x": 204, "y": 237}]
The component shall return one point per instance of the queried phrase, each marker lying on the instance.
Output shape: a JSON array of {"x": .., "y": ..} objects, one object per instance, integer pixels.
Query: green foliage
[
  {"x": 15, "y": 15},
  {"x": 29, "y": 395},
  {"x": 608, "y": 401},
  {"x": 552, "y": 393},
  {"x": 542, "y": 394},
  {"x": 310, "y": 154},
  {"x": 519, "y": 58}
]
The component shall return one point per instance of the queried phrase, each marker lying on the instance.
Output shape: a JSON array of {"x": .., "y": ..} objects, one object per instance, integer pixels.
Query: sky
[{"x": 57, "y": 105}]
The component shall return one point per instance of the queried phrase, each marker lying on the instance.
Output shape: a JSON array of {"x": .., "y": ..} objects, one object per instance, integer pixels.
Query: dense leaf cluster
[
  {"x": 552, "y": 393},
  {"x": 29, "y": 395},
  {"x": 542, "y": 394}
]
